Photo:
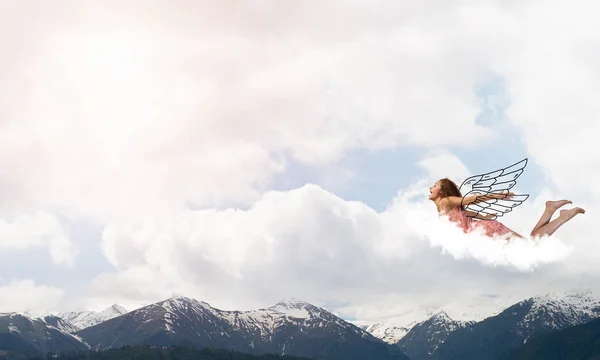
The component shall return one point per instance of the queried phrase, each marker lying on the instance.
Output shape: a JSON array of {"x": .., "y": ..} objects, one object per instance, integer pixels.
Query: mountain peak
[
  {"x": 442, "y": 315},
  {"x": 296, "y": 309},
  {"x": 392, "y": 329},
  {"x": 84, "y": 319},
  {"x": 553, "y": 301},
  {"x": 112, "y": 311},
  {"x": 118, "y": 308},
  {"x": 293, "y": 303},
  {"x": 180, "y": 301}
]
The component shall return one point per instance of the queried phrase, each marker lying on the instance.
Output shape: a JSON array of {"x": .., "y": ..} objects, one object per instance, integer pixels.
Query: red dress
[{"x": 491, "y": 227}]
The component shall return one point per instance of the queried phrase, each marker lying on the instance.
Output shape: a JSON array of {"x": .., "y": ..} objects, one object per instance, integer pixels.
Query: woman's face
[{"x": 434, "y": 191}]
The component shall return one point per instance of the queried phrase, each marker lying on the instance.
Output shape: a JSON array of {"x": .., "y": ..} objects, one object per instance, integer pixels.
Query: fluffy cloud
[
  {"x": 25, "y": 295},
  {"x": 287, "y": 243},
  {"x": 167, "y": 107},
  {"x": 308, "y": 243},
  {"x": 128, "y": 112},
  {"x": 551, "y": 86},
  {"x": 39, "y": 229},
  {"x": 163, "y": 107}
]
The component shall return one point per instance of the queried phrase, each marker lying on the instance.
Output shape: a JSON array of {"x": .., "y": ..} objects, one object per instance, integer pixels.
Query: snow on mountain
[
  {"x": 494, "y": 337},
  {"x": 59, "y": 323},
  {"x": 23, "y": 333},
  {"x": 579, "y": 305},
  {"x": 295, "y": 313},
  {"x": 565, "y": 310},
  {"x": 295, "y": 309},
  {"x": 84, "y": 319},
  {"x": 266, "y": 320},
  {"x": 393, "y": 329},
  {"x": 425, "y": 337},
  {"x": 295, "y": 328}
]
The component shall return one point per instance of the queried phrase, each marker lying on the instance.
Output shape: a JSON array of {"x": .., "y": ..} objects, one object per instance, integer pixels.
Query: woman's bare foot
[
  {"x": 554, "y": 205},
  {"x": 549, "y": 228},
  {"x": 568, "y": 214}
]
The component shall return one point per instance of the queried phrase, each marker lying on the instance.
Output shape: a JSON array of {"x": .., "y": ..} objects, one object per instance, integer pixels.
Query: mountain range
[
  {"x": 496, "y": 336},
  {"x": 302, "y": 329},
  {"x": 439, "y": 337},
  {"x": 286, "y": 328}
]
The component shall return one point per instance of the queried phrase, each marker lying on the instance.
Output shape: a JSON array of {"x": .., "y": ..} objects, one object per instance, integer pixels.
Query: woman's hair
[{"x": 448, "y": 188}]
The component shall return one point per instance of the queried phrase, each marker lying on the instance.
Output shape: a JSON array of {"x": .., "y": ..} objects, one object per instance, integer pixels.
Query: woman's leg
[
  {"x": 552, "y": 226},
  {"x": 551, "y": 207}
]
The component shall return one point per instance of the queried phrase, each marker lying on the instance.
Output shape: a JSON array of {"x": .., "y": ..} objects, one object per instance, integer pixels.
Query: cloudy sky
[{"x": 244, "y": 152}]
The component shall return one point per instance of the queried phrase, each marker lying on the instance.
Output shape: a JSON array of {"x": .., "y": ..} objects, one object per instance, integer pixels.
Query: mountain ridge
[
  {"x": 293, "y": 328},
  {"x": 22, "y": 333},
  {"x": 496, "y": 336}
]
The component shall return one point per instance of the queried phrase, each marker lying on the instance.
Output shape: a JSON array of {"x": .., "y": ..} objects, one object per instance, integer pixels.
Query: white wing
[{"x": 496, "y": 182}]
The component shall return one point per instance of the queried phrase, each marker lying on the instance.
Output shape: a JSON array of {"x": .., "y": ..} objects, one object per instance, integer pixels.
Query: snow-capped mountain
[
  {"x": 292, "y": 328},
  {"x": 299, "y": 328},
  {"x": 395, "y": 328},
  {"x": 420, "y": 333},
  {"x": 495, "y": 336},
  {"x": 424, "y": 338},
  {"x": 59, "y": 323},
  {"x": 84, "y": 319},
  {"x": 22, "y": 333},
  {"x": 561, "y": 311}
]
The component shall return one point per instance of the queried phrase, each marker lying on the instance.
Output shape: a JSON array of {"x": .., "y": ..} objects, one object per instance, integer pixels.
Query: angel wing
[{"x": 489, "y": 190}]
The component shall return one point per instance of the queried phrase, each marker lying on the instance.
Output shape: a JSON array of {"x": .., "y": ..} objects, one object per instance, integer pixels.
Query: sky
[{"x": 242, "y": 153}]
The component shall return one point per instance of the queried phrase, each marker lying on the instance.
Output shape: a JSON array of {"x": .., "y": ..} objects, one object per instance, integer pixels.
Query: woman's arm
[{"x": 455, "y": 201}]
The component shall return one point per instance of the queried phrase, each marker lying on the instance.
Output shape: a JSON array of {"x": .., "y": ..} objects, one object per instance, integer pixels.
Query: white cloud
[
  {"x": 309, "y": 244},
  {"x": 156, "y": 114},
  {"x": 26, "y": 295},
  {"x": 522, "y": 254},
  {"x": 40, "y": 229},
  {"x": 551, "y": 86},
  {"x": 132, "y": 288},
  {"x": 201, "y": 103},
  {"x": 300, "y": 240}
]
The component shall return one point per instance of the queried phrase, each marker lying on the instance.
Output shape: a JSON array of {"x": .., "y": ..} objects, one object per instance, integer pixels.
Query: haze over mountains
[{"x": 302, "y": 329}]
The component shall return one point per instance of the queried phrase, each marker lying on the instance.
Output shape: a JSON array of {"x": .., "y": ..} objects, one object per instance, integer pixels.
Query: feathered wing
[{"x": 496, "y": 182}]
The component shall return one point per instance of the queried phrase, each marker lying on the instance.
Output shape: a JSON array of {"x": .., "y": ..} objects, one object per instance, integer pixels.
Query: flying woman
[{"x": 487, "y": 198}]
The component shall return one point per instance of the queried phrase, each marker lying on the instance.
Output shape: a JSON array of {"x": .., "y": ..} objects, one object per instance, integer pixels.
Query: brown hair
[{"x": 448, "y": 188}]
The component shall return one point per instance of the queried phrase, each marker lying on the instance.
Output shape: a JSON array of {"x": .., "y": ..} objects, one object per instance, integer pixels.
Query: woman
[{"x": 449, "y": 201}]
